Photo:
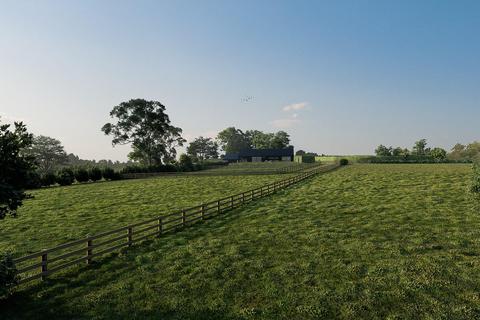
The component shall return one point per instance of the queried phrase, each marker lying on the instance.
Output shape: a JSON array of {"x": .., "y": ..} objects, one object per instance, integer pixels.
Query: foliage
[
  {"x": 475, "y": 188},
  {"x": 203, "y": 148},
  {"x": 438, "y": 154},
  {"x": 8, "y": 274},
  {"x": 300, "y": 153},
  {"x": 363, "y": 242},
  {"x": 235, "y": 140},
  {"x": 81, "y": 175},
  {"x": 185, "y": 162},
  {"x": 469, "y": 152},
  {"x": 33, "y": 180},
  {"x": 419, "y": 148},
  {"x": 110, "y": 174},
  {"x": 383, "y": 151},
  {"x": 48, "y": 179},
  {"x": 95, "y": 174},
  {"x": 48, "y": 153},
  {"x": 146, "y": 126},
  {"x": 65, "y": 177},
  {"x": 343, "y": 162},
  {"x": 15, "y": 167}
]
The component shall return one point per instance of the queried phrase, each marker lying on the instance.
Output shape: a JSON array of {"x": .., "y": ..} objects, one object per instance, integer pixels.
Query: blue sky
[{"x": 340, "y": 76}]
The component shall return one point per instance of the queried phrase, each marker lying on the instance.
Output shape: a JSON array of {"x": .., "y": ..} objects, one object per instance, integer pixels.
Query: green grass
[
  {"x": 61, "y": 214},
  {"x": 362, "y": 242},
  {"x": 255, "y": 168}
]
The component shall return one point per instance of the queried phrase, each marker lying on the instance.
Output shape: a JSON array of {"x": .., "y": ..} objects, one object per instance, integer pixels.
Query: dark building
[{"x": 259, "y": 155}]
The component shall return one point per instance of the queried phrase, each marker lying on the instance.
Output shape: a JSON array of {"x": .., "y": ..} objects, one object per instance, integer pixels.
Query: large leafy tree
[
  {"x": 203, "y": 148},
  {"x": 420, "y": 148},
  {"x": 146, "y": 126},
  {"x": 233, "y": 140},
  {"x": 438, "y": 154},
  {"x": 48, "y": 153},
  {"x": 383, "y": 151},
  {"x": 280, "y": 140},
  {"x": 15, "y": 167}
]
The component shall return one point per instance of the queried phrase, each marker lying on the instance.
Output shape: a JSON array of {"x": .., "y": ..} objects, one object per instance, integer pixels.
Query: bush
[
  {"x": 185, "y": 162},
  {"x": 8, "y": 275},
  {"x": 81, "y": 175},
  {"x": 476, "y": 179},
  {"x": 48, "y": 179},
  {"x": 110, "y": 174},
  {"x": 33, "y": 180},
  {"x": 65, "y": 177},
  {"x": 343, "y": 162},
  {"x": 95, "y": 174}
]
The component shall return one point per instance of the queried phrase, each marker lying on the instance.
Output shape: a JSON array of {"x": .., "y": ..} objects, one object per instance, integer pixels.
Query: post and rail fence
[{"x": 49, "y": 261}]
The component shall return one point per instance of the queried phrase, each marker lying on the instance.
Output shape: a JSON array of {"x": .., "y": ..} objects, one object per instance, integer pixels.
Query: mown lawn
[
  {"x": 362, "y": 242},
  {"x": 60, "y": 214}
]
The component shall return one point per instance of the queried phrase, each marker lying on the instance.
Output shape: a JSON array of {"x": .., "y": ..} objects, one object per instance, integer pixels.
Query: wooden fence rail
[{"x": 41, "y": 264}]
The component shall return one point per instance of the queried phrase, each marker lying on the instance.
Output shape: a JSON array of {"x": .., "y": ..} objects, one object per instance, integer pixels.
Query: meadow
[
  {"x": 363, "y": 242},
  {"x": 61, "y": 214}
]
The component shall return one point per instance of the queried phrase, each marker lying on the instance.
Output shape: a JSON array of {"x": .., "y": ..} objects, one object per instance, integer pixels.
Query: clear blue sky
[{"x": 360, "y": 73}]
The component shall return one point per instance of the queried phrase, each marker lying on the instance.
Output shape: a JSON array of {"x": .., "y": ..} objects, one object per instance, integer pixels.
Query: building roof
[{"x": 286, "y": 152}]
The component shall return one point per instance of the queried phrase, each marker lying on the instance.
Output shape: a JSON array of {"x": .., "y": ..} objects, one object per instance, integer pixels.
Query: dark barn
[{"x": 260, "y": 155}]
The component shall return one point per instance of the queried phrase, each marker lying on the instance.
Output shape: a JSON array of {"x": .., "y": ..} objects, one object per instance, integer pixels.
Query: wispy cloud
[
  {"x": 285, "y": 122},
  {"x": 295, "y": 106}
]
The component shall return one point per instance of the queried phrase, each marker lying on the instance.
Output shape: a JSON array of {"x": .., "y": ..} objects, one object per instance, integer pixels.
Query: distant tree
[
  {"x": 438, "y": 154},
  {"x": 185, "y": 162},
  {"x": 95, "y": 174},
  {"x": 280, "y": 140},
  {"x": 259, "y": 139},
  {"x": 65, "y": 177},
  {"x": 81, "y": 175},
  {"x": 419, "y": 148},
  {"x": 233, "y": 140},
  {"x": 397, "y": 152},
  {"x": 147, "y": 127},
  {"x": 300, "y": 153},
  {"x": 15, "y": 167},
  {"x": 203, "y": 148},
  {"x": 383, "y": 151},
  {"x": 48, "y": 153}
]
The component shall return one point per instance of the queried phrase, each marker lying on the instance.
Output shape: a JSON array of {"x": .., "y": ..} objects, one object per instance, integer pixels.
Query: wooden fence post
[
  {"x": 218, "y": 206},
  {"x": 44, "y": 266},
  {"x": 183, "y": 218},
  {"x": 160, "y": 226},
  {"x": 89, "y": 251},
  {"x": 243, "y": 197},
  {"x": 129, "y": 236},
  {"x": 231, "y": 202},
  {"x": 203, "y": 211}
]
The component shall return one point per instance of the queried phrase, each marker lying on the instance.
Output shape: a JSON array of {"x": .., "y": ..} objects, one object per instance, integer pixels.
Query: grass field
[
  {"x": 363, "y": 242},
  {"x": 255, "y": 168},
  {"x": 61, "y": 214}
]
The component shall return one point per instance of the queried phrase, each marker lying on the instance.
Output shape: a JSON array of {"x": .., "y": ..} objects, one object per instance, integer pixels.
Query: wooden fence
[{"x": 42, "y": 264}]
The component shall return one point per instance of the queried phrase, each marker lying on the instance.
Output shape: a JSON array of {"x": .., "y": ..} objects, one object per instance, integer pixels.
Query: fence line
[{"x": 84, "y": 250}]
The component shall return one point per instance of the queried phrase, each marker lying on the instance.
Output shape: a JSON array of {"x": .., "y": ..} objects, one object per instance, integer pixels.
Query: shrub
[
  {"x": 476, "y": 179},
  {"x": 343, "y": 162},
  {"x": 8, "y": 275},
  {"x": 185, "y": 162},
  {"x": 33, "y": 180},
  {"x": 110, "y": 174},
  {"x": 65, "y": 177},
  {"x": 48, "y": 179},
  {"x": 81, "y": 175},
  {"x": 95, "y": 174}
]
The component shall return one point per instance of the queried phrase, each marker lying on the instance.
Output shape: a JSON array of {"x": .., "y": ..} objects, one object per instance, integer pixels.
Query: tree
[
  {"x": 259, "y": 139},
  {"x": 383, "y": 151},
  {"x": 48, "y": 153},
  {"x": 233, "y": 140},
  {"x": 146, "y": 126},
  {"x": 15, "y": 167},
  {"x": 280, "y": 140},
  {"x": 419, "y": 148},
  {"x": 185, "y": 162},
  {"x": 203, "y": 148},
  {"x": 438, "y": 154}
]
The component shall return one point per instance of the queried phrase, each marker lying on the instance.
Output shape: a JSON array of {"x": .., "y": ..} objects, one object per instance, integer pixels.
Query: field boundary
[{"x": 49, "y": 261}]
